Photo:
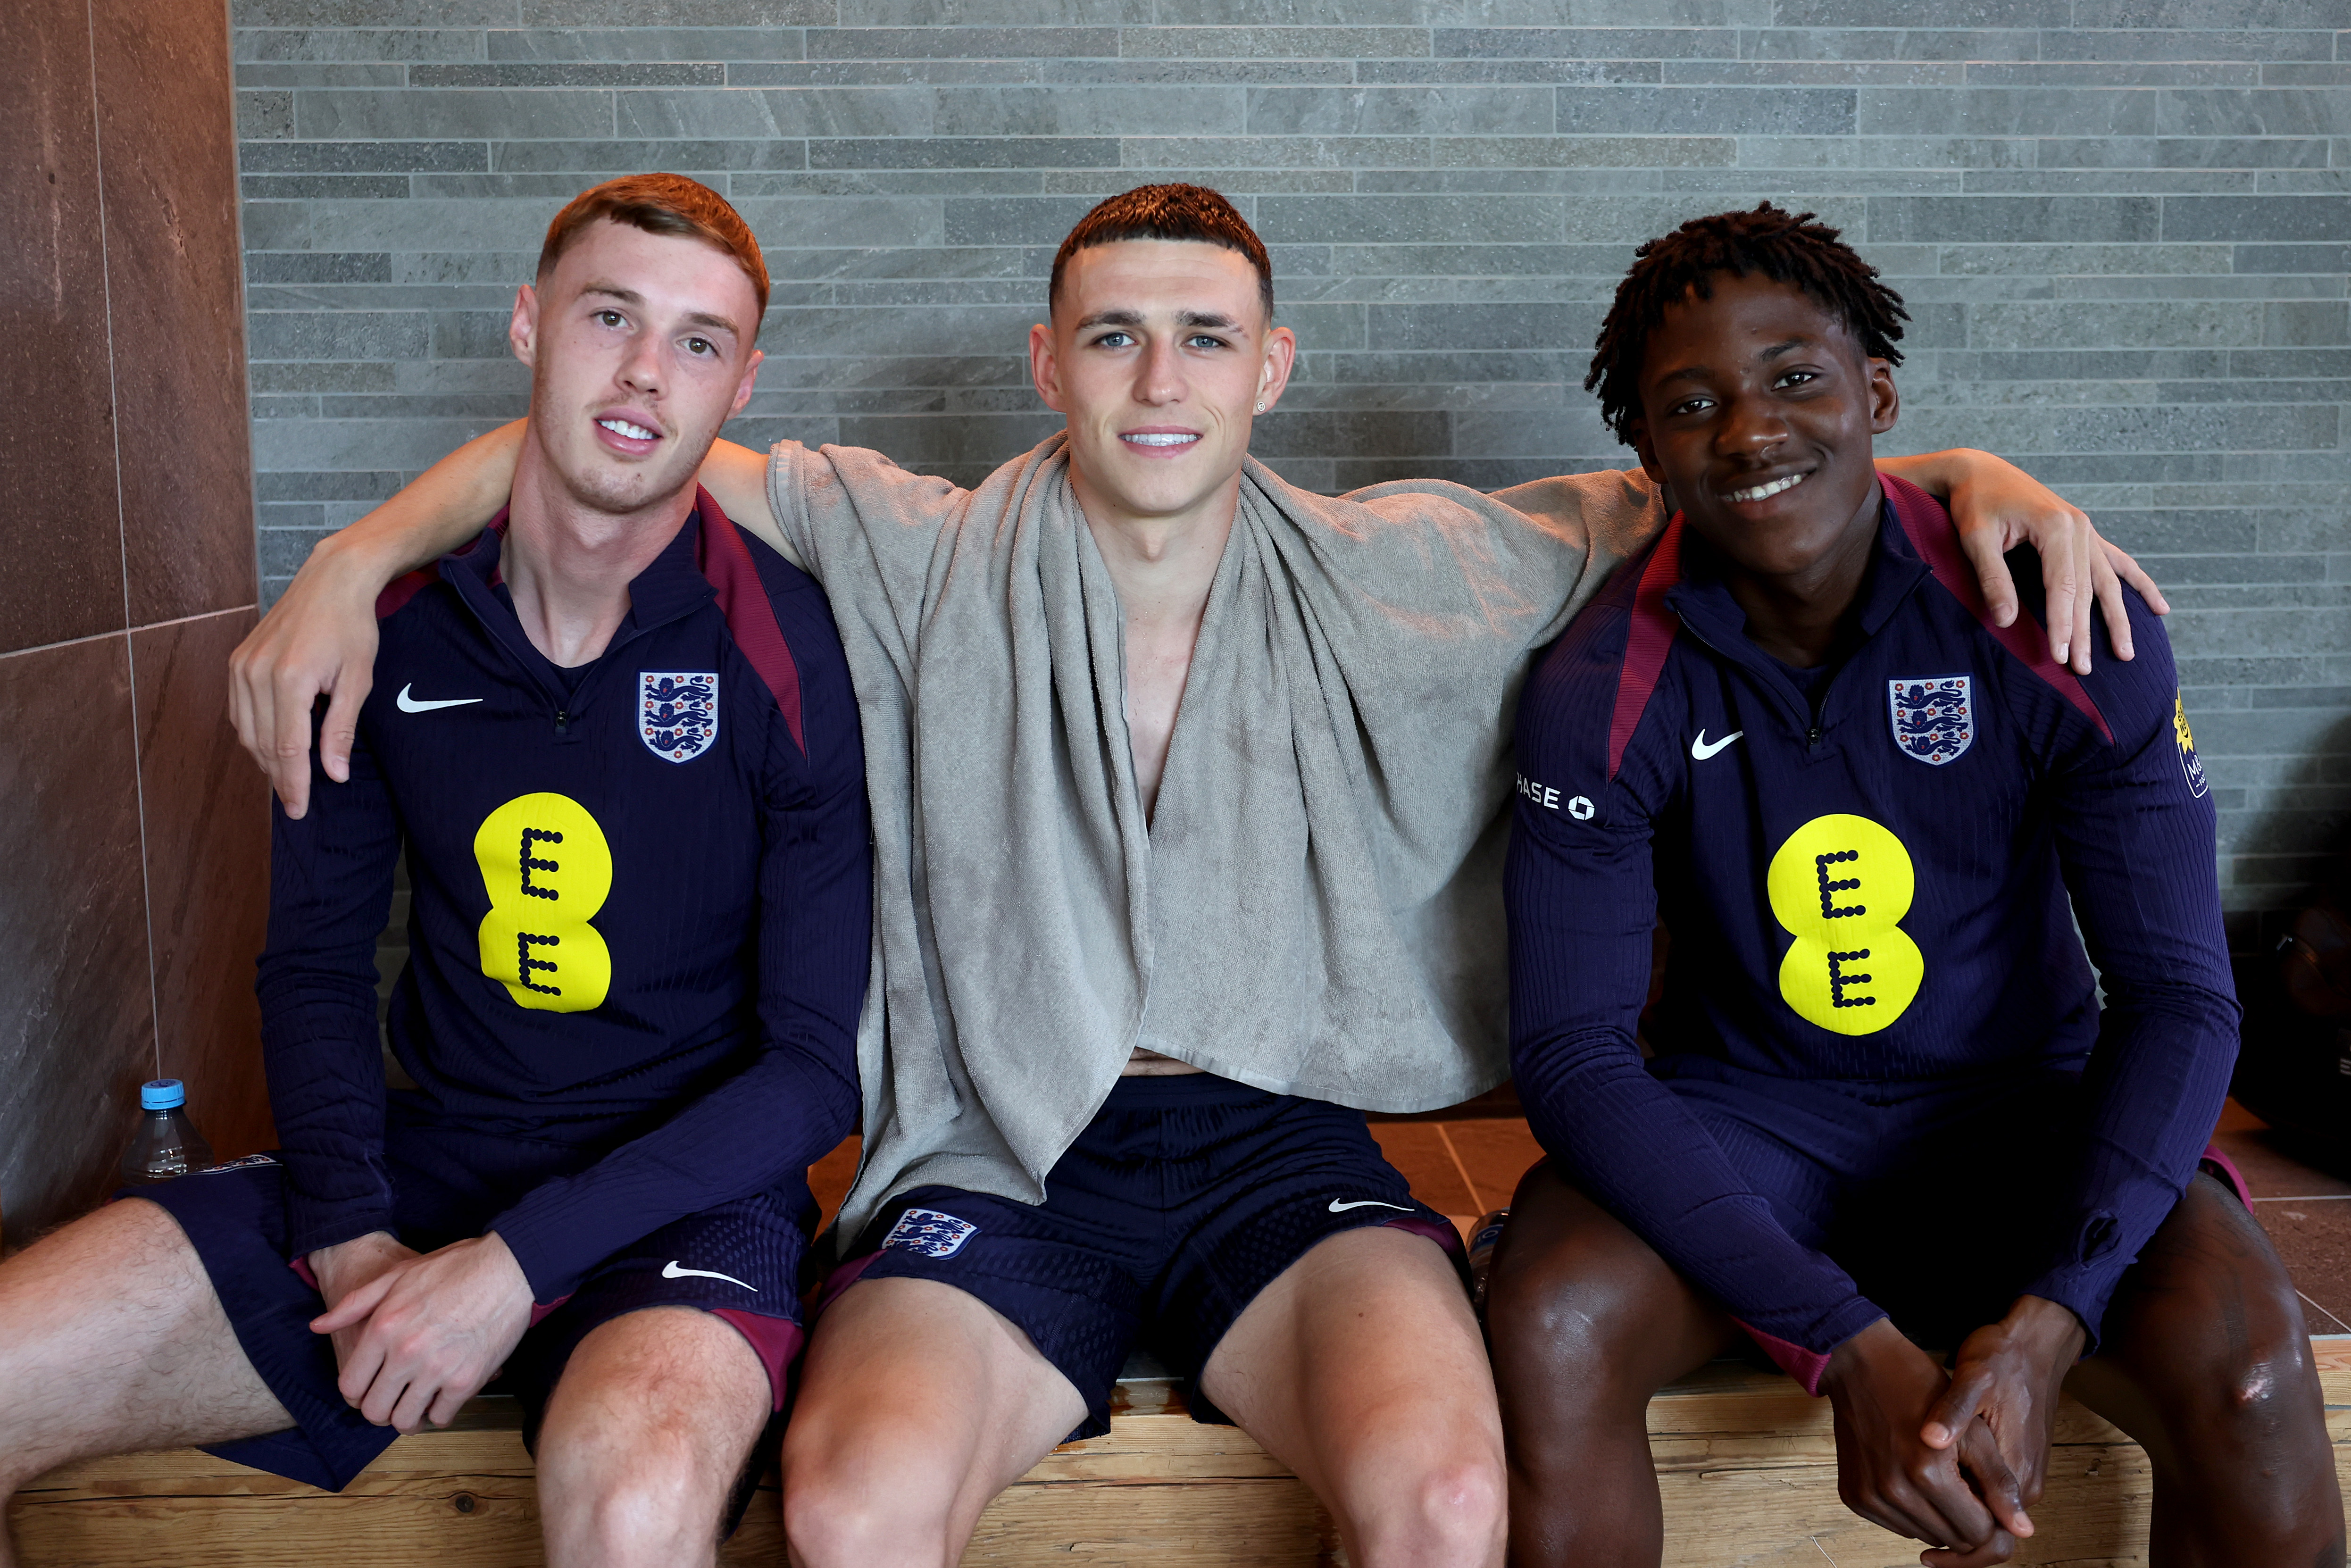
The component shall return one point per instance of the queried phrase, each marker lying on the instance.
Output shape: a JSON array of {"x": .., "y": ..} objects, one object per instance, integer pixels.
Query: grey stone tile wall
[{"x": 2123, "y": 226}]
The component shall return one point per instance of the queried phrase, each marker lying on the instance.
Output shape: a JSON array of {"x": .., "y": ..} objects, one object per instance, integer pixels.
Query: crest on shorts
[
  {"x": 677, "y": 713},
  {"x": 2190, "y": 763},
  {"x": 1934, "y": 717},
  {"x": 930, "y": 1233}
]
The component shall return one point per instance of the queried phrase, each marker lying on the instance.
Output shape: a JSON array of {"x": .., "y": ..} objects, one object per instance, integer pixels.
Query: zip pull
[
  {"x": 563, "y": 722},
  {"x": 1812, "y": 737}
]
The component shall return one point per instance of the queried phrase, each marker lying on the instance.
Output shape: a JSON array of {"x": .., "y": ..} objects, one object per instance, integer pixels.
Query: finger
[
  {"x": 1995, "y": 1482},
  {"x": 358, "y": 1377},
  {"x": 1910, "y": 1509},
  {"x": 2060, "y": 582},
  {"x": 291, "y": 696},
  {"x": 2136, "y": 575},
  {"x": 1999, "y": 1549},
  {"x": 1983, "y": 550},
  {"x": 1961, "y": 1402},
  {"x": 1946, "y": 1500},
  {"x": 341, "y": 723},
  {"x": 2108, "y": 586},
  {"x": 2085, "y": 600},
  {"x": 384, "y": 1395},
  {"x": 408, "y": 1412},
  {"x": 240, "y": 708},
  {"x": 355, "y": 1306}
]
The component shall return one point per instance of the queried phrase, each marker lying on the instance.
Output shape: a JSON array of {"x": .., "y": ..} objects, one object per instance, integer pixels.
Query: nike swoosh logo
[
  {"x": 1338, "y": 1208},
  {"x": 410, "y": 704},
  {"x": 673, "y": 1272},
  {"x": 1700, "y": 750}
]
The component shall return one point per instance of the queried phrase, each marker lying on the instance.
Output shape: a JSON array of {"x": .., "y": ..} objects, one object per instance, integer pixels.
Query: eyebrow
[
  {"x": 1125, "y": 318},
  {"x": 631, "y": 297}
]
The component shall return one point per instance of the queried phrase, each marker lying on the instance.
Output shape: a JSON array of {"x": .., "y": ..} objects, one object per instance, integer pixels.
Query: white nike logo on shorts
[
  {"x": 411, "y": 704},
  {"x": 1338, "y": 1208},
  {"x": 1700, "y": 750},
  {"x": 673, "y": 1272}
]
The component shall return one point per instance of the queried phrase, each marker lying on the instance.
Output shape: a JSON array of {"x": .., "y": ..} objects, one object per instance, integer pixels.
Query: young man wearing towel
[
  {"x": 1889, "y": 1108},
  {"x": 622, "y": 761},
  {"x": 1188, "y": 795}
]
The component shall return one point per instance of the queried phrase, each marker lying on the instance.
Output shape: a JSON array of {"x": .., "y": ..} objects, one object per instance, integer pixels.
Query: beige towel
[{"x": 1315, "y": 909}]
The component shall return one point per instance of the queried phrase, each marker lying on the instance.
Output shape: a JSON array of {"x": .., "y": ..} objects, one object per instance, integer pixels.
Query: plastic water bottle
[{"x": 167, "y": 1144}]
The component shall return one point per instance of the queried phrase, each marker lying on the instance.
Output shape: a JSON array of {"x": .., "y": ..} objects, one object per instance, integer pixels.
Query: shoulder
[
  {"x": 1598, "y": 677},
  {"x": 782, "y": 624}
]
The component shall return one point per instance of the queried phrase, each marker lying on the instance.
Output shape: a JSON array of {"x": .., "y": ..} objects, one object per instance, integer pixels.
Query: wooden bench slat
[{"x": 1746, "y": 1462}]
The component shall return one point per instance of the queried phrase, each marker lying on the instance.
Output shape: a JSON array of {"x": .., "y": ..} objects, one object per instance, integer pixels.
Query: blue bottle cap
[{"x": 163, "y": 1094}]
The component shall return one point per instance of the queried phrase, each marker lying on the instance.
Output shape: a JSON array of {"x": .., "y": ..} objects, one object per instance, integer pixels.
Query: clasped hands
[
  {"x": 1953, "y": 1459},
  {"x": 417, "y": 1334}
]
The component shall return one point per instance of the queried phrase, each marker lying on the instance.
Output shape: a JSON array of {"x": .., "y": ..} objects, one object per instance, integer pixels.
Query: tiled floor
[{"x": 1466, "y": 1168}]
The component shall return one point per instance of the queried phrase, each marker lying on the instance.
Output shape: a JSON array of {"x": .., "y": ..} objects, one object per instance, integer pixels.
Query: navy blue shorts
[
  {"x": 1938, "y": 1199},
  {"x": 740, "y": 1261},
  {"x": 1186, "y": 1197}
]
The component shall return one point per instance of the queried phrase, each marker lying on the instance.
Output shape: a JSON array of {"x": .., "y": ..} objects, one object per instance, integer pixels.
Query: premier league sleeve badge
[
  {"x": 677, "y": 713},
  {"x": 1934, "y": 717}
]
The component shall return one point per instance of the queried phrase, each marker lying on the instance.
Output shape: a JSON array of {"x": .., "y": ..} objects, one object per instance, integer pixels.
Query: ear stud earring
[{"x": 1260, "y": 407}]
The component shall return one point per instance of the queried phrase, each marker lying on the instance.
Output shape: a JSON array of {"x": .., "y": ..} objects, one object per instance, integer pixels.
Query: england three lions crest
[
  {"x": 1934, "y": 717},
  {"x": 677, "y": 713}
]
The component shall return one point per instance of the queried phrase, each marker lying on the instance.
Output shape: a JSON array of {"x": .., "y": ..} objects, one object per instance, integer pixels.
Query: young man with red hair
[{"x": 622, "y": 763}]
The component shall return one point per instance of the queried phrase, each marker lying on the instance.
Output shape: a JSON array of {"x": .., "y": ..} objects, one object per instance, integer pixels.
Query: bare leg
[
  {"x": 111, "y": 1340},
  {"x": 1587, "y": 1322},
  {"x": 888, "y": 1462},
  {"x": 1360, "y": 1368},
  {"x": 2206, "y": 1362},
  {"x": 654, "y": 1417}
]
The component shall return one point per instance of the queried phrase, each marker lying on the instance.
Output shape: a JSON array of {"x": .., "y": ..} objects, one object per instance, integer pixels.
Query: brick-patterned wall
[{"x": 2123, "y": 226}]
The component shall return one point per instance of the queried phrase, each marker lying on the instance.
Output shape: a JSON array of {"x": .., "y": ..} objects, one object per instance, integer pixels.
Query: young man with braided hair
[
  {"x": 1888, "y": 1108},
  {"x": 1140, "y": 974}
]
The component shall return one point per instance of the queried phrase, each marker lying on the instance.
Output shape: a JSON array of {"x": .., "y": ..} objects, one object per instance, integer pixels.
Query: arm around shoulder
[{"x": 320, "y": 638}]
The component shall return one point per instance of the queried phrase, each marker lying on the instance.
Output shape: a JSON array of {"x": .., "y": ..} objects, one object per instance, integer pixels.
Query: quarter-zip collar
[
  {"x": 1702, "y": 601},
  {"x": 671, "y": 586}
]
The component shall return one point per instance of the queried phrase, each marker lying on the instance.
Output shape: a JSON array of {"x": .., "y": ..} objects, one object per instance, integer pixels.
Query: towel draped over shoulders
[{"x": 1315, "y": 907}]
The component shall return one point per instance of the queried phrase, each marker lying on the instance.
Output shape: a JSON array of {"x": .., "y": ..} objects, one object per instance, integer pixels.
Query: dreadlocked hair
[{"x": 1786, "y": 247}]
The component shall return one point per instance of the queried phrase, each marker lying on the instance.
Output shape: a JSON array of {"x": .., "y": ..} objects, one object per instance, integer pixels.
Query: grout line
[
  {"x": 122, "y": 542},
  {"x": 1477, "y": 1204},
  {"x": 133, "y": 631},
  {"x": 2323, "y": 1312},
  {"x": 2309, "y": 1198}
]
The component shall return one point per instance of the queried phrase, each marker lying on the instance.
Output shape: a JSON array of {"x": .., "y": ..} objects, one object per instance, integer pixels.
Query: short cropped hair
[
  {"x": 1167, "y": 212},
  {"x": 1786, "y": 247},
  {"x": 660, "y": 204}
]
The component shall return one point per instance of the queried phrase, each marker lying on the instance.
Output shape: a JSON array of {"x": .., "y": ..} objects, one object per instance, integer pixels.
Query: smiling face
[
  {"x": 640, "y": 347},
  {"x": 1757, "y": 409},
  {"x": 1159, "y": 352}
]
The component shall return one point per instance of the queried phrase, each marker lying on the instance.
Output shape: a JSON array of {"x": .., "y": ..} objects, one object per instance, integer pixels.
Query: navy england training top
[
  {"x": 1874, "y": 895},
  {"x": 640, "y": 920}
]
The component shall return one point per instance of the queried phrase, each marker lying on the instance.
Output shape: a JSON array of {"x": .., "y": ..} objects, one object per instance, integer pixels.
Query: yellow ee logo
[
  {"x": 1839, "y": 885},
  {"x": 547, "y": 870}
]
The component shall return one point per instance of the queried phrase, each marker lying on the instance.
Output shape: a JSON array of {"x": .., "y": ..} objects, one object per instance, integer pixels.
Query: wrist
[
  {"x": 1857, "y": 1356},
  {"x": 327, "y": 1264},
  {"x": 2048, "y": 1329}
]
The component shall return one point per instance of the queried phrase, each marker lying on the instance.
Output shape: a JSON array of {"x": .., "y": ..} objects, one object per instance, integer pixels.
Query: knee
[
  {"x": 1449, "y": 1512},
  {"x": 650, "y": 1495},
  {"x": 1559, "y": 1326},
  {"x": 839, "y": 1513}
]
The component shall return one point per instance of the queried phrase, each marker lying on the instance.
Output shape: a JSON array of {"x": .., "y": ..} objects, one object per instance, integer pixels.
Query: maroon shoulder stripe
[
  {"x": 1648, "y": 643},
  {"x": 1936, "y": 540},
  {"x": 727, "y": 561}
]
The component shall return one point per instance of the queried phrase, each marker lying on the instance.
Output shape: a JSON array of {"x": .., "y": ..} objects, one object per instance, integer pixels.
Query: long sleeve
[
  {"x": 794, "y": 1100},
  {"x": 1581, "y": 890},
  {"x": 2136, "y": 835},
  {"x": 330, "y": 877}
]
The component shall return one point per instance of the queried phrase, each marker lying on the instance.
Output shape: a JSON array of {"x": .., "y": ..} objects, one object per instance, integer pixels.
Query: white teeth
[
  {"x": 1761, "y": 491},
  {"x": 622, "y": 427},
  {"x": 1160, "y": 438}
]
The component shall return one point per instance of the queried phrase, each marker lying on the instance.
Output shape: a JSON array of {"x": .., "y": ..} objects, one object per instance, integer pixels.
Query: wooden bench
[{"x": 1747, "y": 1461}]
